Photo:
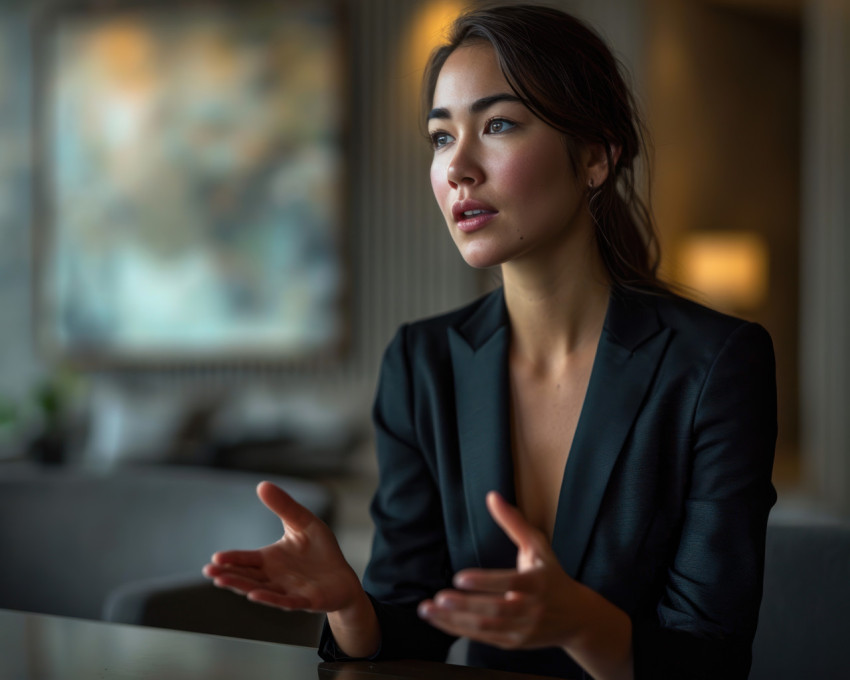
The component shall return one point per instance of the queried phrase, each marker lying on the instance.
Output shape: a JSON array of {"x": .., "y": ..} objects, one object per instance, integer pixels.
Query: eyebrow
[{"x": 477, "y": 106}]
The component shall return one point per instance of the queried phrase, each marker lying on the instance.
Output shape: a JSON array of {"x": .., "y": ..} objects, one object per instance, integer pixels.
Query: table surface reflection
[{"x": 42, "y": 647}]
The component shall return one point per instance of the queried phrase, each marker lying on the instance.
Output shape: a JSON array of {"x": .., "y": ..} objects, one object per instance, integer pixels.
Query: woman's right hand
[{"x": 305, "y": 569}]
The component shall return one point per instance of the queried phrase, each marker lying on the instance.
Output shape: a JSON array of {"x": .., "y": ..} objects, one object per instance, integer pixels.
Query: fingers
[
  {"x": 481, "y": 604},
  {"x": 491, "y": 619},
  {"x": 214, "y": 570},
  {"x": 257, "y": 591},
  {"x": 499, "y": 632},
  {"x": 294, "y": 515},
  {"x": 496, "y": 581},
  {"x": 241, "y": 558},
  {"x": 513, "y": 523},
  {"x": 237, "y": 583},
  {"x": 273, "y": 599}
]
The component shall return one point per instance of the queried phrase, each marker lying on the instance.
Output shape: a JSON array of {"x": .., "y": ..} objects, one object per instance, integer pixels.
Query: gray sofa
[
  {"x": 804, "y": 621},
  {"x": 128, "y": 545}
]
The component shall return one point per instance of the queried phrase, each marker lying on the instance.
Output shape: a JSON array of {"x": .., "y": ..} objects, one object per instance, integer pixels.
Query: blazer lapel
[
  {"x": 479, "y": 351},
  {"x": 630, "y": 348}
]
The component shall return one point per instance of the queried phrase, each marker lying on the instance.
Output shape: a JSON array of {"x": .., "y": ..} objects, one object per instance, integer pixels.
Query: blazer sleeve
[
  {"x": 409, "y": 560},
  {"x": 707, "y": 617}
]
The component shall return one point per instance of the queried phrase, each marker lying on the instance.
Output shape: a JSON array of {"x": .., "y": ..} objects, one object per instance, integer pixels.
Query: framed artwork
[{"x": 189, "y": 190}]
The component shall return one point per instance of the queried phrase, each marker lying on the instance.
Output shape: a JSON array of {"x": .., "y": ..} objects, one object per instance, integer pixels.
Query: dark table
[{"x": 41, "y": 647}]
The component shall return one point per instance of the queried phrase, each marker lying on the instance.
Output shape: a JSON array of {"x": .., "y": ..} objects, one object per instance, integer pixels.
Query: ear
[{"x": 596, "y": 166}]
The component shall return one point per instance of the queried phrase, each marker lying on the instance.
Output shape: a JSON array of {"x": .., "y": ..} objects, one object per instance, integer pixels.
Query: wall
[
  {"x": 402, "y": 264},
  {"x": 18, "y": 364},
  {"x": 725, "y": 89},
  {"x": 825, "y": 252}
]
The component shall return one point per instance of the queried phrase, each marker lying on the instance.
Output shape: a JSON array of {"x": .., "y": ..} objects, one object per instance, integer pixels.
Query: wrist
[
  {"x": 358, "y": 608},
  {"x": 355, "y": 627},
  {"x": 575, "y": 604},
  {"x": 599, "y": 635}
]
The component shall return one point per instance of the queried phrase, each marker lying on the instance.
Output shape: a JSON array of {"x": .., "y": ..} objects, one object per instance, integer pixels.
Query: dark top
[{"x": 665, "y": 496}]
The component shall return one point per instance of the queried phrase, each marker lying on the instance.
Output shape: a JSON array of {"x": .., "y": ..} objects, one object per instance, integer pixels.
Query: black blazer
[{"x": 665, "y": 494}]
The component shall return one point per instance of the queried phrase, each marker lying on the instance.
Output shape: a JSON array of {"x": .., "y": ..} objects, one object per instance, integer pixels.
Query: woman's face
[{"x": 501, "y": 176}]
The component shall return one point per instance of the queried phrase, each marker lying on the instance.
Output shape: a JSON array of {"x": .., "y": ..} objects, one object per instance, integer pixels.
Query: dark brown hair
[{"x": 568, "y": 77}]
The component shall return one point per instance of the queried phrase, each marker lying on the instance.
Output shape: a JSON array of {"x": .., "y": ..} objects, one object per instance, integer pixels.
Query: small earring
[{"x": 590, "y": 184}]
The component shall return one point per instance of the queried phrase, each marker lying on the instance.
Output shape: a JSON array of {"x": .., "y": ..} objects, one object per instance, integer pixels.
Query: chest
[{"x": 545, "y": 411}]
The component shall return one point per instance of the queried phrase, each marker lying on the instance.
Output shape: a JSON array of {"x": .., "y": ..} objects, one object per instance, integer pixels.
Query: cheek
[
  {"x": 531, "y": 173},
  {"x": 518, "y": 173},
  {"x": 542, "y": 187},
  {"x": 439, "y": 185}
]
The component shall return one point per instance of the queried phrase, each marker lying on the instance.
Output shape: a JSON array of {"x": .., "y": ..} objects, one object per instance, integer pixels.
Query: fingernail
[
  {"x": 422, "y": 610},
  {"x": 444, "y": 602}
]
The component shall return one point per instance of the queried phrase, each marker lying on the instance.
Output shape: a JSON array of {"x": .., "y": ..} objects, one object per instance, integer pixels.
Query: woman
[{"x": 575, "y": 469}]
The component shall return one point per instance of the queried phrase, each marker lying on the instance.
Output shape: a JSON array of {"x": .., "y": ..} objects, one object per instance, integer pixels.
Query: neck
[{"x": 556, "y": 304}]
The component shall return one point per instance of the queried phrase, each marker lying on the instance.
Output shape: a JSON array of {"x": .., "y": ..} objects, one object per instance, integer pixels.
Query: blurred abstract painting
[{"x": 190, "y": 181}]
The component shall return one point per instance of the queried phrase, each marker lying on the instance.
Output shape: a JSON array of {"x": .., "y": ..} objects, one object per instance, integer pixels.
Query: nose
[{"x": 464, "y": 166}]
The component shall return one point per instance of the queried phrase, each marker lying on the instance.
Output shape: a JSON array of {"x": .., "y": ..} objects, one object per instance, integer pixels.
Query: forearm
[
  {"x": 355, "y": 628},
  {"x": 602, "y": 643}
]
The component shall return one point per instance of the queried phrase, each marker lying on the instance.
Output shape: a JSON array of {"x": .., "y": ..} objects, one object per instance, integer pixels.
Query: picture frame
[{"x": 189, "y": 194}]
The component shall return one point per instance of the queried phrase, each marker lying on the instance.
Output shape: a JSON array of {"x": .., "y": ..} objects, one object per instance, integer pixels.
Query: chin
[
  {"x": 484, "y": 255},
  {"x": 483, "y": 250},
  {"x": 479, "y": 260}
]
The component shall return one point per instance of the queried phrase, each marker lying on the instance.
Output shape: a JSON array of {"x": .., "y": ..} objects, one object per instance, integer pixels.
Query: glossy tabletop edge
[
  {"x": 46, "y": 647},
  {"x": 412, "y": 669}
]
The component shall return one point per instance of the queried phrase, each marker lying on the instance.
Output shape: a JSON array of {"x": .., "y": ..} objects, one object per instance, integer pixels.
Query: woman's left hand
[{"x": 527, "y": 607}]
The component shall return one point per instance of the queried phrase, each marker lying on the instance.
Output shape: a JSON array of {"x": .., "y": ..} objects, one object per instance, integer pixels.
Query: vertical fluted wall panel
[
  {"x": 403, "y": 264},
  {"x": 825, "y": 246}
]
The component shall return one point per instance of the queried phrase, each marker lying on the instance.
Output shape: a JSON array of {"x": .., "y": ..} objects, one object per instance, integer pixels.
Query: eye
[
  {"x": 498, "y": 125},
  {"x": 439, "y": 139}
]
